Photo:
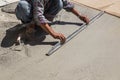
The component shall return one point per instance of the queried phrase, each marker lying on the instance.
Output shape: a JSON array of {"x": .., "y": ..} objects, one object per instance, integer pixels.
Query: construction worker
[{"x": 41, "y": 12}]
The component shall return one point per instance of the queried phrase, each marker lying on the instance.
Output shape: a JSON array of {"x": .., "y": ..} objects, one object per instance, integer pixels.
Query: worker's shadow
[
  {"x": 66, "y": 23},
  {"x": 39, "y": 41},
  {"x": 10, "y": 37},
  {"x": 12, "y": 34}
]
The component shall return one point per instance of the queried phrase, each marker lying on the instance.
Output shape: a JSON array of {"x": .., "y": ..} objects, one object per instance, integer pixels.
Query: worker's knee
[
  {"x": 23, "y": 11},
  {"x": 59, "y": 4},
  {"x": 23, "y": 6}
]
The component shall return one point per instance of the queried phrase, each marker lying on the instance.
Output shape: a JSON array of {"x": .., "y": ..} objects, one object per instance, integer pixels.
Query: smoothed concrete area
[{"x": 91, "y": 55}]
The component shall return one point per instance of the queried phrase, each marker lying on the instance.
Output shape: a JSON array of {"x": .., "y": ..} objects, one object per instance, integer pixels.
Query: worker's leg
[
  {"x": 55, "y": 7},
  {"x": 23, "y": 11}
]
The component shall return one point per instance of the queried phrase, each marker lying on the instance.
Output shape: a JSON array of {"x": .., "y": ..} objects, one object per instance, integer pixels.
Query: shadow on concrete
[
  {"x": 10, "y": 37},
  {"x": 40, "y": 35},
  {"x": 66, "y": 23},
  {"x": 38, "y": 42},
  {"x": 12, "y": 34}
]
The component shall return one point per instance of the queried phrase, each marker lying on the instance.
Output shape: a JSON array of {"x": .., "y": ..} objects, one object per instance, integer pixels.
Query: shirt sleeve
[
  {"x": 38, "y": 12},
  {"x": 67, "y": 5}
]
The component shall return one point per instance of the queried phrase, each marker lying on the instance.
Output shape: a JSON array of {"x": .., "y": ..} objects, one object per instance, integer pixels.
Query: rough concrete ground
[
  {"x": 5, "y": 2},
  {"x": 91, "y": 55}
]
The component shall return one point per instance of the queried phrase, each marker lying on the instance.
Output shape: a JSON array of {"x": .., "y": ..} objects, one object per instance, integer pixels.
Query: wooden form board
[
  {"x": 110, "y": 6},
  {"x": 114, "y": 9}
]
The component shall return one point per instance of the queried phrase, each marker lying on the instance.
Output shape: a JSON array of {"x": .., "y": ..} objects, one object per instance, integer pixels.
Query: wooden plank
[
  {"x": 110, "y": 6},
  {"x": 114, "y": 9}
]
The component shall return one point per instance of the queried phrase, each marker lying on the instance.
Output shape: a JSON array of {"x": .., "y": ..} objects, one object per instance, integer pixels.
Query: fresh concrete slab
[
  {"x": 34, "y": 52},
  {"x": 93, "y": 54}
]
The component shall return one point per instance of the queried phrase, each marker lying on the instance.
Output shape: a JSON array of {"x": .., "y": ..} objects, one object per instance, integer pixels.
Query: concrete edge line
[{"x": 84, "y": 26}]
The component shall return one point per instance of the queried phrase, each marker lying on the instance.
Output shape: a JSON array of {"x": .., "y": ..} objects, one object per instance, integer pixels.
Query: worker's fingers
[
  {"x": 85, "y": 19},
  {"x": 62, "y": 38}
]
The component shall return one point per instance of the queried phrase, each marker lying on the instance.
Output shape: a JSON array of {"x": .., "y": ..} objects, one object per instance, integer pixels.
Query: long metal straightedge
[{"x": 58, "y": 45}]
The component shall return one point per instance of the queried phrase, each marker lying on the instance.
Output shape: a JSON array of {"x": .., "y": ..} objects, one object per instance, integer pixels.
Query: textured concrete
[
  {"x": 5, "y": 2},
  {"x": 91, "y": 55},
  {"x": 10, "y": 8}
]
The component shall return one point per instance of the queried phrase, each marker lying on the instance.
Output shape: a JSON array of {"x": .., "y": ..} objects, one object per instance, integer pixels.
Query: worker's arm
[
  {"x": 81, "y": 17},
  {"x": 68, "y": 6},
  {"x": 38, "y": 12},
  {"x": 54, "y": 34}
]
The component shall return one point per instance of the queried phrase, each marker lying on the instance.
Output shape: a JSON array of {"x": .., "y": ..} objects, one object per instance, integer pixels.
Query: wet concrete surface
[{"x": 91, "y": 55}]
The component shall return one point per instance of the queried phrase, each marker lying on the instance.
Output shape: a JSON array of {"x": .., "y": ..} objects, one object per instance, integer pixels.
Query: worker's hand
[
  {"x": 85, "y": 19},
  {"x": 59, "y": 36}
]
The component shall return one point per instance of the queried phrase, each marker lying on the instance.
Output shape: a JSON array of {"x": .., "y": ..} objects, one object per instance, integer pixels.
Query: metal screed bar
[{"x": 58, "y": 45}]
